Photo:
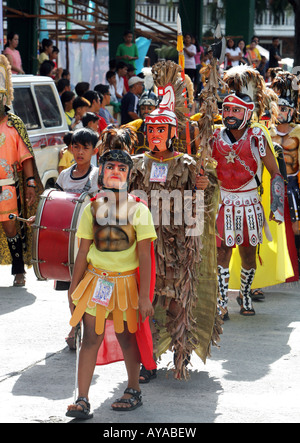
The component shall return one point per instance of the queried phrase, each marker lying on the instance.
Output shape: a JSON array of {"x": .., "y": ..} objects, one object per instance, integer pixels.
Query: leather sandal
[
  {"x": 84, "y": 413},
  {"x": 134, "y": 401},
  {"x": 147, "y": 375}
]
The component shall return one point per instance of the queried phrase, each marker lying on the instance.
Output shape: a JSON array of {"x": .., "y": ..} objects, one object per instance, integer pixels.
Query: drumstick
[{"x": 15, "y": 217}]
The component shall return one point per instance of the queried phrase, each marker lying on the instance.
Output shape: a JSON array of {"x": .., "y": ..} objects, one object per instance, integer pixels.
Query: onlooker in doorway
[
  {"x": 53, "y": 56},
  {"x": 90, "y": 120},
  {"x": 104, "y": 93},
  {"x": 275, "y": 56},
  {"x": 81, "y": 106},
  {"x": 12, "y": 54},
  {"x": 232, "y": 55},
  {"x": 63, "y": 85},
  {"x": 127, "y": 52},
  {"x": 47, "y": 68},
  {"x": 198, "y": 57},
  {"x": 130, "y": 101},
  {"x": 95, "y": 101},
  {"x": 120, "y": 74},
  {"x": 189, "y": 56},
  {"x": 253, "y": 56},
  {"x": 130, "y": 73},
  {"x": 111, "y": 80},
  {"x": 45, "y": 50},
  {"x": 81, "y": 88},
  {"x": 242, "y": 47},
  {"x": 263, "y": 66},
  {"x": 67, "y": 99}
]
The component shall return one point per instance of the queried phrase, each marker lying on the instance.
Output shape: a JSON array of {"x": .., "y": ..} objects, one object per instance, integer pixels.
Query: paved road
[{"x": 252, "y": 378}]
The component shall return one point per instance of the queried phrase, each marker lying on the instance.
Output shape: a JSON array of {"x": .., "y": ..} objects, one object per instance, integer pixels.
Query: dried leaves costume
[
  {"x": 15, "y": 148},
  {"x": 184, "y": 316}
]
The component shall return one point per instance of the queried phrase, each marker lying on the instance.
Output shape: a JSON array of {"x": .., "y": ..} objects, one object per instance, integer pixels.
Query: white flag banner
[{"x": 1, "y": 26}]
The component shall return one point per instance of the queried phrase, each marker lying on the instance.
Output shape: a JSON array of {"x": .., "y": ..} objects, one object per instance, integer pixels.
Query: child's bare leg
[
  {"x": 87, "y": 358},
  {"x": 132, "y": 361}
]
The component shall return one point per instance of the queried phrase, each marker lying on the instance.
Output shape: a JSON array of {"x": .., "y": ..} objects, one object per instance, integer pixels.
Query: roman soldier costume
[{"x": 241, "y": 219}]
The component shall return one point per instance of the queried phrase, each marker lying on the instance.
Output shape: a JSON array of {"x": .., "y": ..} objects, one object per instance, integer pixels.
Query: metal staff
[
  {"x": 181, "y": 63},
  {"x": 77, "y": 344}
]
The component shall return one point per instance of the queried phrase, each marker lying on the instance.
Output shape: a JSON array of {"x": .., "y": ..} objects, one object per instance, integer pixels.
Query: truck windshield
[
  {"x": 24, "y": 107},
  {"x": 48, "y": 106}
]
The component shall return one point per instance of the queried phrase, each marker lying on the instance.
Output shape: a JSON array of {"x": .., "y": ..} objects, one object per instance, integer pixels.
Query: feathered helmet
[
  {"x": 286, "y": 87},
  {"x": 116, "y": 145},
  {"x": 148, "y": 98},
  {"x": 246, "y": 80},
  {"x": 5, "y": 80},
  {"x": 170, "y": 86}
]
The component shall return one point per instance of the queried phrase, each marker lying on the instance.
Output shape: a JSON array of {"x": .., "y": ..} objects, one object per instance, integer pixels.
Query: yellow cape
[{"x": 276, "y": 265}]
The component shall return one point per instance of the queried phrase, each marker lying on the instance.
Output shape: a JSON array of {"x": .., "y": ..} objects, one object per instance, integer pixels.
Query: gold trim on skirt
[{"x": 123, "y": 304}]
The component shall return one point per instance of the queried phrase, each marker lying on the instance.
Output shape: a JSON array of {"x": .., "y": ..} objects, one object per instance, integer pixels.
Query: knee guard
[
  {"x": 247, "y": 277},
  {"x": 16, "y": 251},
  {"x": 223, "y": 281}
]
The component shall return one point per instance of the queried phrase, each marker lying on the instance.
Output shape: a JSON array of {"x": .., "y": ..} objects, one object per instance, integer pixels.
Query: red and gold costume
[
  {"x": 241, "y": 219},
  {"x": 241, "y": 216}
]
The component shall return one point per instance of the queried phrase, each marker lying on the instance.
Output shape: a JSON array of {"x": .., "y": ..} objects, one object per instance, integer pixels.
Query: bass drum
[{"x": 55, "y": 245}]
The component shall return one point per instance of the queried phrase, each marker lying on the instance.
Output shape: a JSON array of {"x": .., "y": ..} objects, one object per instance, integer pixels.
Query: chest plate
[
  {"x": 112, "y": 223},
  {"x": 237, "y": 162}
]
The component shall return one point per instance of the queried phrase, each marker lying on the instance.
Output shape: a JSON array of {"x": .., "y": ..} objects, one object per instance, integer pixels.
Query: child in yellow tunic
[{"x": 116, "y": 231}]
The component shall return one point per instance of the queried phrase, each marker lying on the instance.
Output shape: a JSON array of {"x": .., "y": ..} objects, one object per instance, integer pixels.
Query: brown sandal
[{"x": 243, "y": 311}]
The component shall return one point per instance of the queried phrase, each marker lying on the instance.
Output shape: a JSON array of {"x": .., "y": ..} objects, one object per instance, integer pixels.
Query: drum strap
[{"x": 87, "y": 186}]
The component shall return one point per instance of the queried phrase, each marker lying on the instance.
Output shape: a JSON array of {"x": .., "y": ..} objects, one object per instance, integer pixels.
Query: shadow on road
[
  {"x": 12, "y": 298},
  {"x": 250, "y": 345}
]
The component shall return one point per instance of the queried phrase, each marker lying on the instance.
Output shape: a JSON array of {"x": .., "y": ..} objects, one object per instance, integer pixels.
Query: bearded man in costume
[
  {"x": 287, "y": 134},
  {"x": 184, "y": 318},
  {"x": 19, "y": 182},
  {"x": 241, "y": 150}
]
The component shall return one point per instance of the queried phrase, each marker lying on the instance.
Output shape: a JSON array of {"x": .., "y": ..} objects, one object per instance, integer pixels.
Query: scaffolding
[{"x": 90, "y": 22}]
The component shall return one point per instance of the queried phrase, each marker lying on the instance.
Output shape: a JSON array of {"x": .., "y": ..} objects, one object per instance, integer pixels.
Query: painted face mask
[
  {"x": 161, "y": 124},
  {"x": 242, "y": 117},
  {"x": 114, "y": 170},
  {"x": 285, "y": 114}
]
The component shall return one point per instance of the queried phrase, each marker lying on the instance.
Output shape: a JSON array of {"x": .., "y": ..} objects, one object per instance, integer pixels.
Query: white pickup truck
[{"x": 37, "y": 103}]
